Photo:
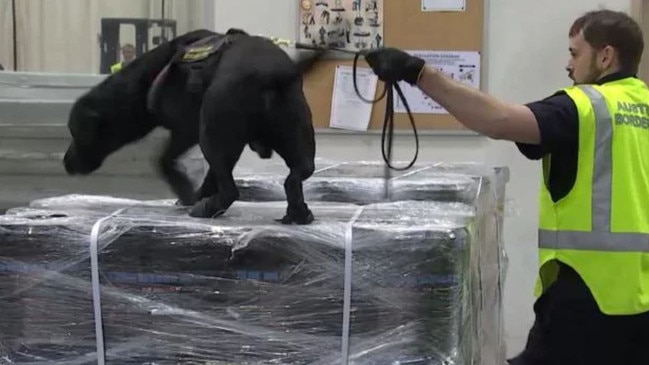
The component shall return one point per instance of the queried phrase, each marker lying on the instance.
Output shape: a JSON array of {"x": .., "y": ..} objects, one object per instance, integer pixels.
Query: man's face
[
  {"x": 128, "y": 53},
  {"x": 582, "y": 67}
]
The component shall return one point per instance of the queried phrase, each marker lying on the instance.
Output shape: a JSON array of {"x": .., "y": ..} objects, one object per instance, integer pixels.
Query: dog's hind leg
[
  {"x": 208, "y": 188},
  {"x": 301, "y": 168},
  {"x": 294, "y": 140},
  {"x": 296, "y": 145},
  {"x": 219, "y": 190},
  {"x": 167, "y": 165},
  {"x": 222, "y": 140}
]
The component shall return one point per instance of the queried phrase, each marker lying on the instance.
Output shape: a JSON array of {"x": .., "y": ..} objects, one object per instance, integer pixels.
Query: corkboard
[{"x": 405, "y": 27}]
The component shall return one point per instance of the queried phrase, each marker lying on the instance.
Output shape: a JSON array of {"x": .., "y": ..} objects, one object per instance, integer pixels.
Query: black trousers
[{"x": 570, "y": 329}]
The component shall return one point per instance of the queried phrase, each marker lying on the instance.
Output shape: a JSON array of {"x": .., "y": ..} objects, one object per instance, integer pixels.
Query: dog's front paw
[
  {"x": 302, "y": 215},
  {"x": 205, "y": 209},
  {"x": 186, "y": 200},
  {"x": 181, "y": 203}
]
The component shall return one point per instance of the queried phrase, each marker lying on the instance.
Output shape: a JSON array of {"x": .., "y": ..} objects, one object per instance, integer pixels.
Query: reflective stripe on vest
[{"x": 600, "y": 238}]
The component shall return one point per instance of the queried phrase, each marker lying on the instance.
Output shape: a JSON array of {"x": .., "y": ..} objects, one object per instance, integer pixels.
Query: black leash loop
[
  {"x": 387, "y": 134},
  {"x": 388, "y": 120}
]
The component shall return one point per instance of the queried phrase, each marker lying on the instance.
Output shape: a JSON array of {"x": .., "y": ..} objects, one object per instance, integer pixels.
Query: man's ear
[{"x": 607, "y": 57}]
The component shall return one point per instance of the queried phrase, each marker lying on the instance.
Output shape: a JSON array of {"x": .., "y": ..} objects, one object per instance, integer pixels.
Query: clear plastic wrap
[
  {"x": 364, "y": 182},
  {"x": 406, "y": 282}
]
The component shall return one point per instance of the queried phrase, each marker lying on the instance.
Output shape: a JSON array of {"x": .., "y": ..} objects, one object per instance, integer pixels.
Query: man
[
  {"x": 593, "y": 138},
  {"x": 128, "y": 55}
]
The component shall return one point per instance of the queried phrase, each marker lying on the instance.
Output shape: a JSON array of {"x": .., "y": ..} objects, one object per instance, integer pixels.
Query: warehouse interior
[{"x": 50, "y": 52}]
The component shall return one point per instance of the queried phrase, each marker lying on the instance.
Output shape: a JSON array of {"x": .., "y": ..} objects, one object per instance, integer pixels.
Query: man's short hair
[
  {"x": 128, "y": 46},
  {"x": 617, "y": 29}
]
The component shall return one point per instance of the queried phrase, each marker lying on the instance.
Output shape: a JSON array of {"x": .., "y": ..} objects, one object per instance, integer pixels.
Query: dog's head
[
  {"x": 95, "y": 135},
  {"x": 114, "y": 112},
  {"x": 92, "y": 139}
]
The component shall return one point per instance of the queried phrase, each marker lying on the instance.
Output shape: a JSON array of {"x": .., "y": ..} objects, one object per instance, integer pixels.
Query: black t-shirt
[{"x": 559, "y": 127}]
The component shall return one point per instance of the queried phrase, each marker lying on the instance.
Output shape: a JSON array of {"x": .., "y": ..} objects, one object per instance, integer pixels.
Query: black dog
[{"x": 222, "y": 91}]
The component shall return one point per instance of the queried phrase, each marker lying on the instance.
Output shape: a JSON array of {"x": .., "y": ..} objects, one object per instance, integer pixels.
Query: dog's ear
[
  {"x": 236, "y": 31},
  {"x": 89, "y": 130},
  {"x": 84, "y": 123}
]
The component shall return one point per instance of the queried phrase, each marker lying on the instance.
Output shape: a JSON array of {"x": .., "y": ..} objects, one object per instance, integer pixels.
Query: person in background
[
  {"x": 592, "y": 290},
  {"x": 128, "y": 55},
  {"x": 1, "y": 67}
]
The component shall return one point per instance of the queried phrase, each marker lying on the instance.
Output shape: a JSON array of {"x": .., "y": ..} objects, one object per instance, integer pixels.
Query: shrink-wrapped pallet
[{"x": 403, "y": 282}]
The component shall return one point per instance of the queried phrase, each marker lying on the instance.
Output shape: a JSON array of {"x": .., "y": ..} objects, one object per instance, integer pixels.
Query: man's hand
[{"x": 392, "y": 65}]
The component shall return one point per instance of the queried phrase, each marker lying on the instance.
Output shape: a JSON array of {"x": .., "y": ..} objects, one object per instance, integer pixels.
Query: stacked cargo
[{"x": 412, "y": 277}]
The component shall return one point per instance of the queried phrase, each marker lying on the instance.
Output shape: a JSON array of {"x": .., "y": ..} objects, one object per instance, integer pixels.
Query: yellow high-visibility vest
[
  {"x": 116, "y": 67},
  {"x": 601, "y": 227}
]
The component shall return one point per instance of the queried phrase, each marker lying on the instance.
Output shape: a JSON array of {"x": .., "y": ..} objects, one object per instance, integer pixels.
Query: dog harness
[{"x": 195, "y": 54}]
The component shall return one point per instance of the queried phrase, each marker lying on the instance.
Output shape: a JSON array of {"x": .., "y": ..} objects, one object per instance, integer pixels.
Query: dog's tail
[
  {"x": 301, "y": 65},
  {"x": 307, "y": 59}
]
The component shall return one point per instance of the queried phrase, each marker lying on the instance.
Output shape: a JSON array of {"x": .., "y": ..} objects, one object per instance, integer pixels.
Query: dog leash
[{"x": 390, "y": 86}]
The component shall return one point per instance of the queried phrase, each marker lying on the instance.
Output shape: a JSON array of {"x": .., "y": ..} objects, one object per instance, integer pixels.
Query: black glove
[{"x": 392, "y": 65}]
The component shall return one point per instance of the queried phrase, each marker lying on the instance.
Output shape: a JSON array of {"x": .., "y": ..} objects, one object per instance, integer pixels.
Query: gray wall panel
[{"x": 33, "y": 137}]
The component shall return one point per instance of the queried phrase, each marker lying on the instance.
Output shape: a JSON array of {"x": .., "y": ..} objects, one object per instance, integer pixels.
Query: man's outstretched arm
[
  {"x": 476, "y": 110},
  {"x": 479, "y": 111}
]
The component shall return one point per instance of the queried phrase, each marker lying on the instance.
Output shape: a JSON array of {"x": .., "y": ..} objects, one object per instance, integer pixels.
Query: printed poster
[
  {"x": 348, "y": 111},
  {"x": 349, "y": 24},
  {"x": 462, "y": 66}
]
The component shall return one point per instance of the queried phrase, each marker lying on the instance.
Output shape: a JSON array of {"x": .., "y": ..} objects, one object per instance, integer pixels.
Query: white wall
[
  {"x": 6, "y": 45},
  {"x": 518, "y": 66}
]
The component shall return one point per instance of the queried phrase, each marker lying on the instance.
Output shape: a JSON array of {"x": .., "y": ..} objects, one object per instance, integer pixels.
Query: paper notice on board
[
  {"x": 462, "y": 66},
  {"x": 348, "y": 111},
  {"x": 443, "y": 5}
]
